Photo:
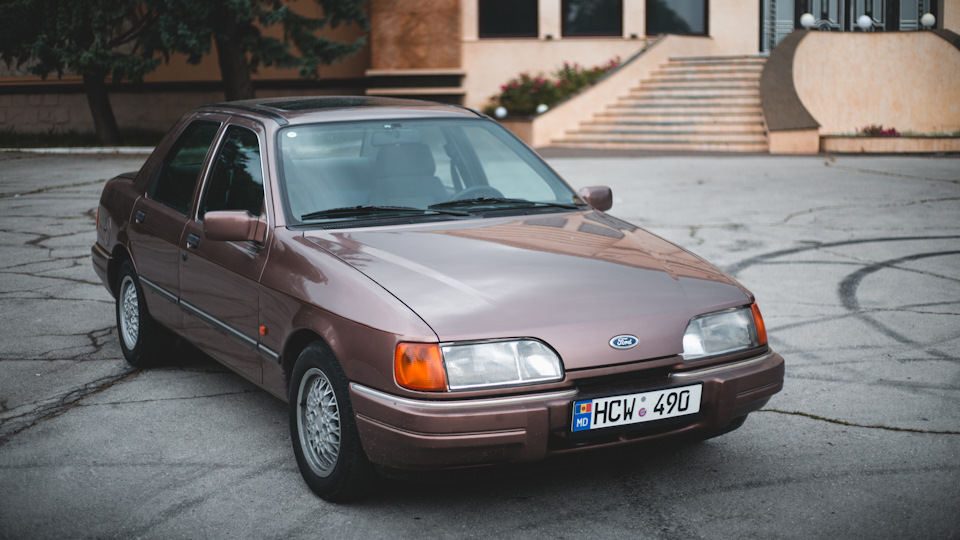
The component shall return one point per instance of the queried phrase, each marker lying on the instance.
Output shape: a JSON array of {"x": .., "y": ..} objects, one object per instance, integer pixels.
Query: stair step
[
  {"x": 682, "y": 101},
  {"x": 728, "y": 58},
  {"x": 654, "y": 136},
  {"x": 685, "y": 91},
  {"x": 665, "y": 145},
  {"x": 671, "y": 128},
  {"x": 698, "y": 86},
  {"x": 660, "y": 78},
  {"x": 717, "y": 62},
  {"x": 660, "y": 115},
  {"x": 709, "y": 70}
]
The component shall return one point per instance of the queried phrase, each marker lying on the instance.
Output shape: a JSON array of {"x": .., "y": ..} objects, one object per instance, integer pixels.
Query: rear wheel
[
  {"x": 323, "y": 428},
  {"x": 141, "y": 339}
]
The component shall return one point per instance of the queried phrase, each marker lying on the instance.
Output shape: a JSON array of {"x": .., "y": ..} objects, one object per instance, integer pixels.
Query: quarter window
[
  {"x": 508, "y": 18},
  {"x": 592, "y": 17},
  {"x": 175, "y": 183},
  {"x": 237, "y": 179}
]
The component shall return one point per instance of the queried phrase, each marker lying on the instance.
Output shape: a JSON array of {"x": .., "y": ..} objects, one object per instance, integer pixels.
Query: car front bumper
[{"x": 418, "y": 434}]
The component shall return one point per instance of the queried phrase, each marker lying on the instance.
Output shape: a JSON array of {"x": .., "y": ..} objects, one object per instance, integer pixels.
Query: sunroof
[{"x": 341, "y": 102}]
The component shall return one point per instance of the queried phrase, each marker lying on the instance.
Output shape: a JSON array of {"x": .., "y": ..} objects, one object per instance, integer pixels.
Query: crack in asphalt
[
  {"x": 180, "y": 398},
  {"x": 865, "y": 426},
  {"x": 53, "y": 407},
  {"x": 98, "y": 338},
  {"x": 862, "y": 205},
  {"x": 890, "y": 174},
  {"x": 59, "y": 278},
  {"x": 50, "y": 188}
]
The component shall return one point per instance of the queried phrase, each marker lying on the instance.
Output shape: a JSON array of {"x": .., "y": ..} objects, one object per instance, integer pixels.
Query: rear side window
[
  {"x": 177, "y": 179},
  {"x": 237, "y": 179}
]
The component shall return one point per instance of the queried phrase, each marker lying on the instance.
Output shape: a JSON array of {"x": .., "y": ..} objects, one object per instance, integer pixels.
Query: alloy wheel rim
[
  {"x": 318, "y": 419},
  {"x": 129, "y": 313}
]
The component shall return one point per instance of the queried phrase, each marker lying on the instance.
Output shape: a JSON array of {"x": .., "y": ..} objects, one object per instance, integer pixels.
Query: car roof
[{"x": 313, "y": 109}]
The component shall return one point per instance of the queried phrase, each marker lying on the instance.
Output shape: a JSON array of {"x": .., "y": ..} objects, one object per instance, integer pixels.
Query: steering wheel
[{"x": 476, "y": 192}]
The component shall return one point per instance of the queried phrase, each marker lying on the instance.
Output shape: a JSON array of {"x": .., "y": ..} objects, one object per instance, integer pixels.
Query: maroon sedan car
[{"x": 421, "y": 288}]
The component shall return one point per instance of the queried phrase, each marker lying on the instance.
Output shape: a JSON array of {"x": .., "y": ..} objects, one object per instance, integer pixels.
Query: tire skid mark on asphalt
[
  {"x": 890, "y": 174},
  {"x": 847, "y": 292},
  {"x": 832, "y": 318},
  {"x": 862, "y": 205},
  {"x": 736, "y": 268},
  {"x": 53, "y": 407},
  {"x": 176, "y": 509},
  {"x": 865, "y": 426}
]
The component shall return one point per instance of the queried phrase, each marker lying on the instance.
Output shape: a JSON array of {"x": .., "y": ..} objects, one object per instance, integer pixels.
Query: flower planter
[
  {"x": 843, "y": 144},
  {"x": 521, "y": 127}
]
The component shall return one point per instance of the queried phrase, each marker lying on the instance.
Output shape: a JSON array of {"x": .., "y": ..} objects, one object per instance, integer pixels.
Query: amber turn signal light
[
  {"x": 419, "y": 366},
  {"x": 758, "y": 321}
]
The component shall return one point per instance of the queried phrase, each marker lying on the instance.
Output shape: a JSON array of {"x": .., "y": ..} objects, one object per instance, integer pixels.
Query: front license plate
[{"x": 636, "y": 408}]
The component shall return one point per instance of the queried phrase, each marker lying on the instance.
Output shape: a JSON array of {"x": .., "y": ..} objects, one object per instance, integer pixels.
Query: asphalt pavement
[{"x": 854, "y": 260}]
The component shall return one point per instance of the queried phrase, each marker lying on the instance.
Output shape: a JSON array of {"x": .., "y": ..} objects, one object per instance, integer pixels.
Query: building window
[
  {"x": 592, "y": 17},
  {"x": 677, "y": 17},
  {"x": 508, "y": 18}
]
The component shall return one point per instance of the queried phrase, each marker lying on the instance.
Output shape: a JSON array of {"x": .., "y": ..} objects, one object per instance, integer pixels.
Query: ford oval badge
[{"x": 624, "y": 342}]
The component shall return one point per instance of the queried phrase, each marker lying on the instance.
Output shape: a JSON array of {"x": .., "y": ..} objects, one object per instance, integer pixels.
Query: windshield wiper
[
  {"x": 368, "y": 210},
  {"x": 502, "y": 200}
]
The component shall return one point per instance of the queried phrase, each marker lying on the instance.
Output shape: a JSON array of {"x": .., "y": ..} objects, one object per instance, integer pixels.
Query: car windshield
[{"x": 449, "y": 169}]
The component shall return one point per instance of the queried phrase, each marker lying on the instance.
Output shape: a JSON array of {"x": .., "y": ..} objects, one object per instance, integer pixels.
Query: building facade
[{"x": 462, "y": 51}]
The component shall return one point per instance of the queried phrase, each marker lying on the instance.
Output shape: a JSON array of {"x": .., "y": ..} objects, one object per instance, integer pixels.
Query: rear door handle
[
  {"x": 139, "y": 217},
  {"x": 193, "y": 241}
]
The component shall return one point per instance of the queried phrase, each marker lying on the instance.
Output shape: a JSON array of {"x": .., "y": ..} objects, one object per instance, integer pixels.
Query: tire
[
  {"x": 141, "y": 338},
  {"x": 323, "y": 428}
]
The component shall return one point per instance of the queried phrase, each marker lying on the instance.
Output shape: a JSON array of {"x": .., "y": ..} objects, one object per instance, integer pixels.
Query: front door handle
[
  {"x": 139, "y": 217},
  {"x": 193, "y": 241}
]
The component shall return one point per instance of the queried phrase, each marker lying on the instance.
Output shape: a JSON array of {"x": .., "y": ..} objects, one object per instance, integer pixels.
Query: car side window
[
  {"x": 237, "y": 179},
  {"x": 177, "y": 178}
]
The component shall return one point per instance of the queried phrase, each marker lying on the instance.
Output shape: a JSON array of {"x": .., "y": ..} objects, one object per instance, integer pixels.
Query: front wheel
[
  {"x": 323, "y": 429},
  {"x": 141, "y": 339}
]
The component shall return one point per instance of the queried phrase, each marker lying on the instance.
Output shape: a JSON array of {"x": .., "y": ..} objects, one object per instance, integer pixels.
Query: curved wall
[{"x": 906, "y": 80}]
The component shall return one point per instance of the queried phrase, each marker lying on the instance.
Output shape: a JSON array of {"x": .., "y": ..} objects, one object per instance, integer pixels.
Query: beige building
[{"x": 690, "y": 77}]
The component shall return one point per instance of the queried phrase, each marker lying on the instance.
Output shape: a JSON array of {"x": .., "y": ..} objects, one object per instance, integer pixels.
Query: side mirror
[
  {"x": 599, "y": 197},
  {"x": 234, "y": 226}
]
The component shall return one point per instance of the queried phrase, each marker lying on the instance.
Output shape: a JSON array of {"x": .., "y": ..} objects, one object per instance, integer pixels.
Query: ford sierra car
[{"x": 421, "y": 288}]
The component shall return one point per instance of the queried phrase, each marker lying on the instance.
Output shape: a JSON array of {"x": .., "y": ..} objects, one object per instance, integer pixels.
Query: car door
[
  {"x": 219, "y": 279},
  {"x": 160, "y": 216}
]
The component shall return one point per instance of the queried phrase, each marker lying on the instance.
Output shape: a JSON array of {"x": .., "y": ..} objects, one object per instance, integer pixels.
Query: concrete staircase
[{"x": 699, "y": 104}]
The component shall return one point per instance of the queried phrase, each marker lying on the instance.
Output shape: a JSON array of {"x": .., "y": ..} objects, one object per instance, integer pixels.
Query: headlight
[
  {"x": 724, "y": 332},
  {"x": 500, "y": 363},
  {"x": 475, "y": 365}
]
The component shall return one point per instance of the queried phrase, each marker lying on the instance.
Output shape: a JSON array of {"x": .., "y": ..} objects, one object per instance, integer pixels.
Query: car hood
[{"x": 572, "y": 280}]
